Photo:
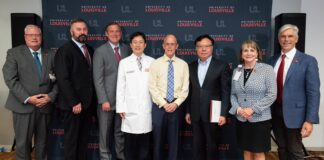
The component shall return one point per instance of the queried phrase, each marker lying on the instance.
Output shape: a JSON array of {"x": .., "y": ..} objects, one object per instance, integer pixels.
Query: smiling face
[
  {"x": 138, "y": 45},
  {"x": 33, "y": 37},
  {"x": 249, "y": 54},
  {"x": 114, "y": 33},
  {"x": 170, "y": 45},
  {"x": 288, "y": 40},
  {"x": 204, "y": 49}
]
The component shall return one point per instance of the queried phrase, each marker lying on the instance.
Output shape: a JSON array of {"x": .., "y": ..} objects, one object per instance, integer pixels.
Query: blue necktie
[
  {"x": 38, "y": 64},
  {"x": 170, "y": 85}
]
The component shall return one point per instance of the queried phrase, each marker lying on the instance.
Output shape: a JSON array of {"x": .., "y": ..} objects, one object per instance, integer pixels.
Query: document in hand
[{"x": 215, "y": 110}]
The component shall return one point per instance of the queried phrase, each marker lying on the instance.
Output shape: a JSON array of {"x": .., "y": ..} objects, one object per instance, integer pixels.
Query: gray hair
[
  {"x": 29, "y": 26},
  {"x": 288, "y": 26}
]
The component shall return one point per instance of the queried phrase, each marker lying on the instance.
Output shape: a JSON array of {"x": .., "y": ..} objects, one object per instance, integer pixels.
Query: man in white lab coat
[{"x": 134, "y": 102}]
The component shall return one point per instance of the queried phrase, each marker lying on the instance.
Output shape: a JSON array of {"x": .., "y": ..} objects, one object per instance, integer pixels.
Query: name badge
[
  {"x": 131, "y": 71},
  {"x": 237, "y": 75}
]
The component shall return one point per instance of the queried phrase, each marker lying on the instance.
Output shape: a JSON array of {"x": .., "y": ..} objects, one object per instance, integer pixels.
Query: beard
[{"x": 82, "y": 38}]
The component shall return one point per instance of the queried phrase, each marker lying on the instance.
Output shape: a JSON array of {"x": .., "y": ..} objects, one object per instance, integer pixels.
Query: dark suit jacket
[
  {"x": 21, "y": 76},
  {"x": 74, "y": 77},
  {"x": 301, "y": 91},
  {"x": 216, "y": 86}
]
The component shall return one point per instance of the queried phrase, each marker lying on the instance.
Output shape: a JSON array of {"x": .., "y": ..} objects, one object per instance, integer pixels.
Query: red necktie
[
  {"x": 280, "y": 77},
  {"x": 117, "y": 55},
  {"x": 86, "y": 53}
]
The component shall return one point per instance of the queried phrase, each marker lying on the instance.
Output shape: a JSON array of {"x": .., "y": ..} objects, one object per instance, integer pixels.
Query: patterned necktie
[
  {"x": 86, "y": 53},
  {"x": 38, "y": 64},
  {"x": 280, "y": 77},
  {"x": 139, "y": 63},
  {"x": 170, "y": 85},
  {"x": 117, "y": 55}
]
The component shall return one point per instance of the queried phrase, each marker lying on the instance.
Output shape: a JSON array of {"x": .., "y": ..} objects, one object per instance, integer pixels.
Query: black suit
[
  {"x": 216, "y": 86},
  {"x": 75, "y": 82}
]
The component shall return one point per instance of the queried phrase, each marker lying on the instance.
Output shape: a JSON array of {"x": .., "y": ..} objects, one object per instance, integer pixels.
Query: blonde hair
[{"x": 251, "y": 44}]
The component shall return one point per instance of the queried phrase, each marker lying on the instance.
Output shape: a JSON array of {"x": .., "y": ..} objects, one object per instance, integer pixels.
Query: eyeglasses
[
  {"x": 170, "y": 44},
  {"x": 204, "y": 47},
  {"x": 34, "y": 35}
]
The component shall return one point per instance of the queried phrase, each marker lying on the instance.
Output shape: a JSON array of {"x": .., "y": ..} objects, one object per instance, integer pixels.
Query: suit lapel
[
  {"x": 195, "y": 73},
  {"x": 44, "y": 64},
  {"x": 123, "y": 50},
  {"x": 293, "y": 65},
  {"x": 30, "y": 58}
]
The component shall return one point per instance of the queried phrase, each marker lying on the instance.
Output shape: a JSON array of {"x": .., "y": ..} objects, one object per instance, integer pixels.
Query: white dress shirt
[
  {"x": 133, "y": 97},
  {"x": 289, "y": 58}
]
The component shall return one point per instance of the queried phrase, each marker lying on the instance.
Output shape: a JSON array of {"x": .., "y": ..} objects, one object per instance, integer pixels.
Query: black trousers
[
  {"x": 76, "y": 131},
  {"x": 290, "y": 145},
  {"x": 137, "y": 146},
  {"x": 205, "y": 140}
]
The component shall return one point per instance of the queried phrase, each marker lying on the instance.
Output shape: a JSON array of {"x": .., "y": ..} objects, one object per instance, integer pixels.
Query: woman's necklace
[{"x": 248, "y": 72}]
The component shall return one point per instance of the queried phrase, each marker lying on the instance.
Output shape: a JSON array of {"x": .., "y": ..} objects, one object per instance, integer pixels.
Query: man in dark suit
[
  {"x": 297, "y": 105},
  {"x": 209, "y": 80},
  {"x": 105, "y": 67},
  {"x": 73, "y": 69},
  {"x": 28, "y": 73}
]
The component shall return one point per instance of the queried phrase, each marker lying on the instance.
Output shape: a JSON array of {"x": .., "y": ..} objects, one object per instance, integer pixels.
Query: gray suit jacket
[
  {"x": 259, "y": 92},
  {"x": 105, "y": 71},
  {"x": 21, "y": 77}
]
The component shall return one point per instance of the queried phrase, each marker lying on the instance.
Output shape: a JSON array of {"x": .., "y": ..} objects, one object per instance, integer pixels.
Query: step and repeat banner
[{"x": 228, "y": 22}]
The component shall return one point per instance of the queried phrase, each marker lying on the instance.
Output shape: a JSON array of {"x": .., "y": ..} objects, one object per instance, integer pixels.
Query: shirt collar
[
  {"x": 134, "y": 56},
  {"x": 113, "y": 46},
  {"x": 291, "y": 53},
  {"x": 206, "y": 62},
  {"x": 78, "y": 43},
  {"x": 166, "y": 58},
  {"x": 38, "y": 51}
]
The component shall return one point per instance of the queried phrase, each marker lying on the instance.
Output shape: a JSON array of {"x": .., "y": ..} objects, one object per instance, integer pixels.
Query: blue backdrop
[{"x": 229, "y": 22}]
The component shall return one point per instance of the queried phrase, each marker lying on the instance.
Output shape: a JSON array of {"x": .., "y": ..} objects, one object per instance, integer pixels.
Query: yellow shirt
[{"x": 158, "y": 76}]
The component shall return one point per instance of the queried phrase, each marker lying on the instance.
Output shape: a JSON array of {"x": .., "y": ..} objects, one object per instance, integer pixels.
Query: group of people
[{"x": 134, "y": 95}]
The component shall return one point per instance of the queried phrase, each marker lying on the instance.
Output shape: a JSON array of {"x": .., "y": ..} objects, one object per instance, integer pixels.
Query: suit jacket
[
  {"x": 301, "y": 91},
  {"x": 259, "y": 92},
  {"x": 216, "y": 86},
  {"x": 74, "y": 77},
  {"x": 21, "y": 76},
  {"x": 105, "y": 67}
]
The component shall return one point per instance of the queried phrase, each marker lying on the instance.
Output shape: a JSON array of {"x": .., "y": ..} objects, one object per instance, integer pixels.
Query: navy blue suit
[{"x": 300, "y": 103}]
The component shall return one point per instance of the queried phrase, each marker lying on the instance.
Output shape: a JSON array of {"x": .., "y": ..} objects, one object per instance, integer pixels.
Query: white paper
[
  {"x": 215, "y": 110},
  {"x": 237, "y": 75}
]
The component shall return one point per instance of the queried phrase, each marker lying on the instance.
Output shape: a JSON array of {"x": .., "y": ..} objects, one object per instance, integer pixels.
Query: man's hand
[
  {"x": 188, "y": 118},
  {"x": 43, "y": 99},
  {"x": 170, "y": 107},
  {"x": 105, "y": 106},
  {"x": 221, "y": 121},
  {"x": 122, "y": 115},
  {"x": 307, "y": 129},
  {"x": 77, "y": 109}
]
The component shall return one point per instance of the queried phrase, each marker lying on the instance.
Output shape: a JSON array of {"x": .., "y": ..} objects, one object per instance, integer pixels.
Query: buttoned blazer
[
  {"x": 258, "y": 93},
  {"x": 21, "y": 76},
  {"x": 216, "y": 86},
  {"x": 105, "y": 68},
  {"x": 74, "y": 77},
  {"x": 301, "y": 91}
]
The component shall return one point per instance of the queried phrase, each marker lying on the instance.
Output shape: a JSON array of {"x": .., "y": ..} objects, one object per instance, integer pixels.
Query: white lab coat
[{"x": 133, "y": 95}]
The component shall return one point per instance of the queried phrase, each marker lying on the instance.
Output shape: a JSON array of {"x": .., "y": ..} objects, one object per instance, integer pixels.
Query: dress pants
[
  {"x": 165, "y": 124},
  {"x": 137, "y": 146},
  {"x": 76, "y": 131},
  {"x": 290, "y": 145},
  {"x": 27, "y": 125},
  {"x": 205, "y": 140},
  {"x": 110, "y": 125}
]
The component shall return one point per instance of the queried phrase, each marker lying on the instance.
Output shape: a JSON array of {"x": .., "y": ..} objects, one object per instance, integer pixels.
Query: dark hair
[
  {"x": 113, "y": 23},
  {"x": 252, "y": 44},
  {"x": 78, "y": 20},
  {"x": 201, "y": 37},
  {"x": 136, "y": 34}
]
